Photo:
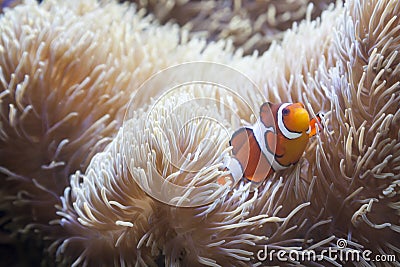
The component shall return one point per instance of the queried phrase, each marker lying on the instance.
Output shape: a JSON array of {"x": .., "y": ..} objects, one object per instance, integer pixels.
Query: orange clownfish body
[{"x": 275, "y": 142}]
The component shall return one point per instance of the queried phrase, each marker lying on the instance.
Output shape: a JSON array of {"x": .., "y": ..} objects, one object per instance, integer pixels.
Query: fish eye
[{"x": 285, "y": 112}]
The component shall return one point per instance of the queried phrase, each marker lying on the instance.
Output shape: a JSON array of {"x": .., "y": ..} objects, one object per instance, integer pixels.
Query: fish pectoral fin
[
  {"x": 280, "y": 150},
  {"x": 272, "y": 144}
]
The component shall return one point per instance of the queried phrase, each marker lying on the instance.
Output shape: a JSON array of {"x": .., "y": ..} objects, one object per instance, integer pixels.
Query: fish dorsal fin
[{"x": 267, "y": 115}]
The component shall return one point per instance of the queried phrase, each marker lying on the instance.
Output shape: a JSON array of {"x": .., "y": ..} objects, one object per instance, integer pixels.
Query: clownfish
[{"x": 275, "y": 142}]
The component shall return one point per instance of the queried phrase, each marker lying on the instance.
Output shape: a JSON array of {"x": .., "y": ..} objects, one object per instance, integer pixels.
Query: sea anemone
[
  {"x": 8, "y": 4},
  {"x": 252, "y": 25},
  {"x": 74, "y": 171}
]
